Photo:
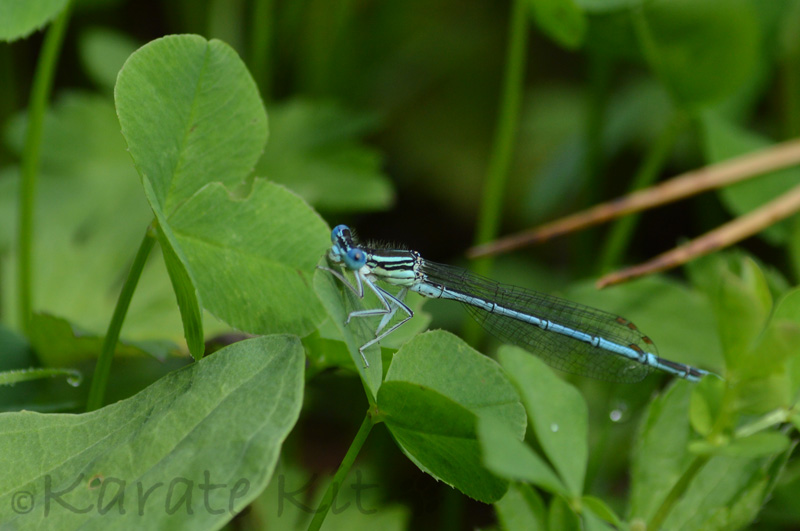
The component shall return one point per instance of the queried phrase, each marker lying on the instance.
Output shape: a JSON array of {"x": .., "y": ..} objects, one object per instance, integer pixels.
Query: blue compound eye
[
  {"x": 337, "y": 232},
  {"x": 355, "y": 259}
]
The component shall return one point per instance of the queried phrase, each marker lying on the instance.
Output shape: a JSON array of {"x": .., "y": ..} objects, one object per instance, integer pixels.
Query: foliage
[{"x": 222, "y": 379}]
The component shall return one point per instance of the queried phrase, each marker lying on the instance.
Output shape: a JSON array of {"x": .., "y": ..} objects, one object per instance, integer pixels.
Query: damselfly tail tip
[
  {"x": 695, "y": 375},
  {"x": 687, "y": 372}
]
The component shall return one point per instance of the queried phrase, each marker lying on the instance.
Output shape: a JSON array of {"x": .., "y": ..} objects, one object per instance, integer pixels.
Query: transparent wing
[{"x": 558, "y": 350}]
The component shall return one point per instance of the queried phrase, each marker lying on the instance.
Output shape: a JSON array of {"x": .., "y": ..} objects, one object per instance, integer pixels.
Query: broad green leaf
[
  {"x": 103, "y": 52},
  {"x": 508, "y": 457},
  {"x": 191, "y": 115},
  {"x": 703, "y": 51},
  {"x": 252, "y": 258},
  {"x": 723, "y": 140},
  {"x": 521, "y": 508},
  {"x": 438, "y": 435},
  {"x": 435, "y": 390},
  {"x": 441, "y": 361},
  {"x": 562, "y": 20},
  {"x": 660, "y": 455},
  {"x": 219, "y": 422},
  {"x": 20, "y": 18},
  {"x": 90, "y": 218},
  {"x": 556, "y": 411},
  {"x": 339, "y": 301},
  {"x": 314, "y": 151}
]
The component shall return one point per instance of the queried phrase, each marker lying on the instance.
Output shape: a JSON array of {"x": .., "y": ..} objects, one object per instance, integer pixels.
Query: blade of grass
[
  {"x": 505, "y": 134},
  {"x": 261, "y": 35},
  {"x": 503, "y": 144},
  {"x": 29, "y": 171},
  {"x": 620, "y": 235}
]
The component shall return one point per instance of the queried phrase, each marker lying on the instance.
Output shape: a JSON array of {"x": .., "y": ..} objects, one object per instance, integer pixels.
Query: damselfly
[{"x": 569, "y": 336}]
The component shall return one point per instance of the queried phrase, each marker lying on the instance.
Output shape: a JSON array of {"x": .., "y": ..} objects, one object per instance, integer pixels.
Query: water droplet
[
  {"x": 75, "y": 379},
  {"x": 554, "y": 427},
  {"x": 619, "y": 411}
]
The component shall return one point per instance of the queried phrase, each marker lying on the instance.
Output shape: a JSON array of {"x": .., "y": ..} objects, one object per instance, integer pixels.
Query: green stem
[
  {"x": 261, "y": 45},
  {"x": 29, "y": 171},
  {"x": 790, "y": 79},
  {"x": 677, "y": 491},
  {"x": 341, "y": 473},
  {"x": 502, "y": 145},
  {"x": 8, "y": 92},
  {"x": 621, "y": 233},
  {"x": 600, "y": 81},
  {"x": 791, "y": 86},
  {"x": 97, "y": 390},
  {"x": 505, "y": 134}
]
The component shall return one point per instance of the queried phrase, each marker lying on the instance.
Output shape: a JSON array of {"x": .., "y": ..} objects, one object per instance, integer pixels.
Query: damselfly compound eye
[{"x": 355, "y": 258}]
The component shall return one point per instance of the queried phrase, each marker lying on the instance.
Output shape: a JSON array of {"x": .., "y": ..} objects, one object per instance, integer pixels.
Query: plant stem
[
  {"x": 502, "y": 145},
  {"x": 600, "y": 81},
  {"x": 261, "y": 40},
  {"x": 505, "y": 134},
  {"x": 341, "y": 473},
  {"x": 677, "y": 491},
  {"x": 621, "y": 233},
  {"x": 103, "y": 368},
  {"x": 29, "y": 171},
  {"x": 790, "y": 79}
]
